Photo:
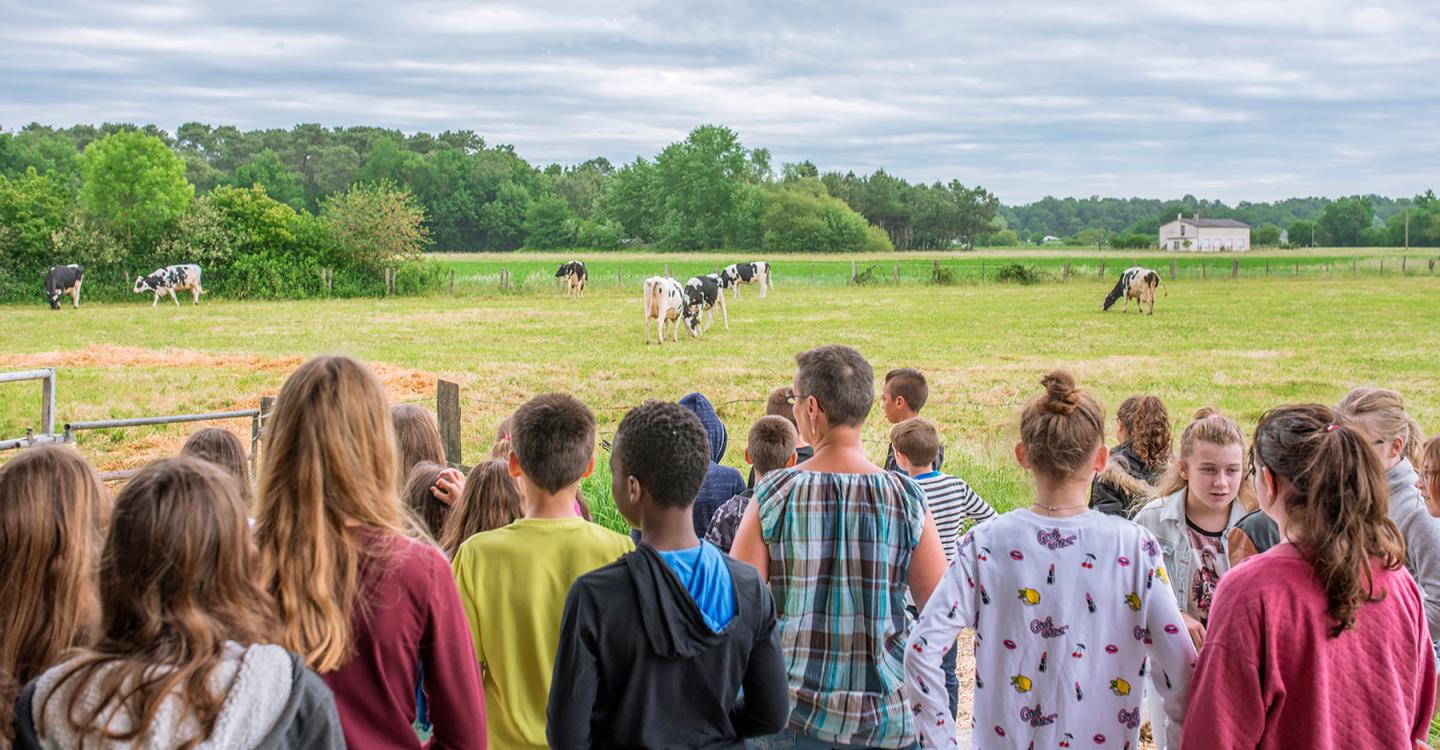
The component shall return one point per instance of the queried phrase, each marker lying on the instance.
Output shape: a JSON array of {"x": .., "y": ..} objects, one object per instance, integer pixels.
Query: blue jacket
[{"x": 721, "y": 482}]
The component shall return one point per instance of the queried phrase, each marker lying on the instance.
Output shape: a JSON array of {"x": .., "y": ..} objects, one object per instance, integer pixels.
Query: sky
[{"x": 1237, "y": 100}]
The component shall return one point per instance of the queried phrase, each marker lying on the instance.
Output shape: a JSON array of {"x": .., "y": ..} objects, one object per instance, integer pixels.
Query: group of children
[{"x": 367, "y": 595}]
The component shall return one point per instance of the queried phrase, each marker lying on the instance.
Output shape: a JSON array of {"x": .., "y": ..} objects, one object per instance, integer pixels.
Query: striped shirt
[
  {"x": 951, "y": 502},
  {"x": 840, "y": 548}
]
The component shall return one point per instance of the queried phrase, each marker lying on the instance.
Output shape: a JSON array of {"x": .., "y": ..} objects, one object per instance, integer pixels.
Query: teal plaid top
[{"x": 840, "y": 548}]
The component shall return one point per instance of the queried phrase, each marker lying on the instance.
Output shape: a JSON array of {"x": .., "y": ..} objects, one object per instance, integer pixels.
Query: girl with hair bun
[
  {"x": 1320, "y": 642},
  {"x": 1071, "y": 607}
]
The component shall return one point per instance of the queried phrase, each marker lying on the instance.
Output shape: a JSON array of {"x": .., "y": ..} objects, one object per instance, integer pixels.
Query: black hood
[{"x": 673, "y": 625}]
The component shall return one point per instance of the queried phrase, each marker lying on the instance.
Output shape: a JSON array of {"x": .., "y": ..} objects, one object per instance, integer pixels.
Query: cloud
[{"x": 1231, "y": 99}]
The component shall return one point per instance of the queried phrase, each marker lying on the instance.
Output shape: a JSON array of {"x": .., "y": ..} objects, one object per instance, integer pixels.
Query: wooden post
[
  {"x": 47, "y": 404},
  {"x": 1172, "y": 269},
  {"x": 982, "y": 270},
  {"x": 1382, "y": 266},
  {"x": 452, "y": 282},
  {"x": 1102, "y": 269},
  {"x": 1202, "y": 270},
  {"x": 1235, "y": 268},
  {"x": 852, "y": 270},
  {"x": 1267, "y": 268},
  {"x": 618, "y": 282},
  {"x": 257, "y": 433},
  {"x": 1297, "y": 268},
  {"x": 667, "y": 270},
  {"x": 812, "y": 273},
  {"x": 1067, "y": 270},
  {"x": 447, "y": 416},
  {"x": 1353, "y": 267},
  {"x": 897, "y": 271},
  {"x": 1404, "y": 262}
]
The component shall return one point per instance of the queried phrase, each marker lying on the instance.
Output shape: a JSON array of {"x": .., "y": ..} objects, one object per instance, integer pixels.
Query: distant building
[
  {"x": 1204, "y": 235},
  {"x": 1050, "y": 239}
]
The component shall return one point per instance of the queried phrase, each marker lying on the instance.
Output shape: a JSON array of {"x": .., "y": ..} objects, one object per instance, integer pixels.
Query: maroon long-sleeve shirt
[
  {"x": 408, "y": 612},
  {"x": 1270, "y": 676}
]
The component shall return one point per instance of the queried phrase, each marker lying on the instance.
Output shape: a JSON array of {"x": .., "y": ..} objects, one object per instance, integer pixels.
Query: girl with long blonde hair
[
  {"x": 359, "y": 599},
  {"x": 183, "y": 659},
  {"x": 52, "y": 523}
]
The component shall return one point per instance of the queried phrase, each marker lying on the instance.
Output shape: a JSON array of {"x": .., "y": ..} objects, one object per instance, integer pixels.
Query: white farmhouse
[{"x": 1204, "y": 235}]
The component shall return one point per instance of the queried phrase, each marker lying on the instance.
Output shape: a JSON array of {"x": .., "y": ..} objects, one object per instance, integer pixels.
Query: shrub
[
  {"x": 600, "y": 235},
  {"x": 867, "y": 277},
  {"x": 1018, "y": 273},
  {"x": 941, "y": 276},
  {"x": 375, "y": 226}
]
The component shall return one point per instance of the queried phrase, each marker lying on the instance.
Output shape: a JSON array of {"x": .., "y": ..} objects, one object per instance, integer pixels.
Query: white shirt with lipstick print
[{"x": 1070, "y": 616}]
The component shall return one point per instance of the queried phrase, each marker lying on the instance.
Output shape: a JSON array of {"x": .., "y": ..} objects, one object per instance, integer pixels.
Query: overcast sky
[{"x": 1238, "y": 100}]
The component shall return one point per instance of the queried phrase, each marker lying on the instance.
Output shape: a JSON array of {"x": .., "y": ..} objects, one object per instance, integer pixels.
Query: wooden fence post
[
  {"x": 1382, "y": 266},
  {"x": 618, "y": 282},
  {"x": 1235, "y": 268},
  {"x": 1202, "y": 270},
  {"x": 897, "y": 272},
  {"x": 982, "y": 270},
  {"x": 667, "y": 270},
  {"x": 1267, "y": 268},
  {"x": 1353, "y": 267},
  {"x": 447, "y": 415},
  {"x": 452, "y": 282},
  {"x": 1172, "y": 269},
  {"x": 1404, "y": 261},
  {"x": 1297, "y": 269},
  {"x": 1067, "y": 270},
  {"x": 852, "y": 270},
  {"x": 812, "y": 273},
  {"x": 257, "y": 432},
  {"x": 1102, "y": 269}
]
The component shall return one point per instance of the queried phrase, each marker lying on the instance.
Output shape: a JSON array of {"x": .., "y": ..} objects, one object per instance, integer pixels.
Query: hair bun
[
  {"x": 1205, "y": 412},
  {"x": 1061, "y": 395}
]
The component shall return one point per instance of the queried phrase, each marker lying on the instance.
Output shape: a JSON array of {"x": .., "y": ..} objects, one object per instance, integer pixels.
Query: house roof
[{"x": 1216, "y": 223}]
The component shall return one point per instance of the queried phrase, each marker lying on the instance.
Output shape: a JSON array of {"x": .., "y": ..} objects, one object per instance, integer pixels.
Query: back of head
[
  {"x": 417, "y": 436},
  {"x": 1148, "y": 423},
  {"x": 490, "y": 501},
  {"x": 781, "y": 403},
  {"x": 176, "y": 585},
  {"x": 1335, "y": 500},
  {"x": 1382, "y": 411},
  {"x": 1062, "y": 427},
  {"x": 917, "y": 440},
  {"x": 224, "y": 449},
  {"x": 52, "y": 515},
  {"x": 1207, "y": 426},
  {"x": 429, "y": 510},
  {"x": 553, "y": 436},
  {"x": 771, "y": 444},
  {"x": 329, "y": 462},
  {"x": 840, "y": 381},
  {"x": 664, "y": 447},
  {"x": 908, "y": 383}
]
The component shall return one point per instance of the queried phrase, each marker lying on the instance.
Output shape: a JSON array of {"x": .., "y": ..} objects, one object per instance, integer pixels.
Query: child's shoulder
[{"x": 599, "y": 536}]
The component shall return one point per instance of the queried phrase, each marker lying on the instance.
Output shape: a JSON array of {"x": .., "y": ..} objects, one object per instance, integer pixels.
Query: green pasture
[{"x": 1240, "y": 345}]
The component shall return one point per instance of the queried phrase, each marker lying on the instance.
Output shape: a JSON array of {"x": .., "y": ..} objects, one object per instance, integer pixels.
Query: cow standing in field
[
  {"x": 664, "y": 303},
  {"x": 702, "y": 295},
  {"x": 170, "y": 279},
  {"x": 1136, "y": 283},
  {"x": 747, "y": 273},
  {"x": 63, "y": 280},
  {"x": 575, "y": 277}
]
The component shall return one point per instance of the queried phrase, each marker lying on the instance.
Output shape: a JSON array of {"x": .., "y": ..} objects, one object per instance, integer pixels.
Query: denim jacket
[{"x": 1165, "y": 518}]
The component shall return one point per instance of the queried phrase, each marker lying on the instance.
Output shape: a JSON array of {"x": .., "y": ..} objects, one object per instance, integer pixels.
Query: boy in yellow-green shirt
[{"x": 513, "y": 580}]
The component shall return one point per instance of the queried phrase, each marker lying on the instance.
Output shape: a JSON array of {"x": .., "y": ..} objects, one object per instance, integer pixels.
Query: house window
[{"x": 1182, "y": 230}]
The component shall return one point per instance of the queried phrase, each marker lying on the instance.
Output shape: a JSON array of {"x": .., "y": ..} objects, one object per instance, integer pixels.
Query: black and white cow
[
  {"x": 575, "y": 277},
  {"x": 702, "y": 295},
  {"x": 1136, "y": 283},
  {"x": 170, "y": 279},
  {"x": 63, "y": 280},
  {"x": 747, "y": 273},
  {"x": 664, "y": 303}
]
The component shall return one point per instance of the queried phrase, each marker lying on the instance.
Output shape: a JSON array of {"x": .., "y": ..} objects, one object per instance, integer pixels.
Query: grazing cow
[
  {"x": 747, "y": 273},
  {"x": 702, "y": 295},
  {"x": 1136, "y": 283},
  {"x": 168, "y": 280},
  {"x": 63, "y": 280},
  {"x": 575, "y": 277},
  {"x": 665, "y": 303}
]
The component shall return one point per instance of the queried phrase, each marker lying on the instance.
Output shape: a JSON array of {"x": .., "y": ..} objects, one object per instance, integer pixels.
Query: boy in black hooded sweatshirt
[{"x": 657, "y": 648}]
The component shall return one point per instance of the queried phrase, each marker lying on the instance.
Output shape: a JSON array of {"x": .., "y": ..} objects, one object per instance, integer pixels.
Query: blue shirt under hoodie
[{"x": 705, "y": 575}]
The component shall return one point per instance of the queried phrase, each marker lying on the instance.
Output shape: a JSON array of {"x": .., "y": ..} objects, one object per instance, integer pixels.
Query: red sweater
[
  {"x": 411, "y": 613},
  {"x": 1271, "y": 677}
]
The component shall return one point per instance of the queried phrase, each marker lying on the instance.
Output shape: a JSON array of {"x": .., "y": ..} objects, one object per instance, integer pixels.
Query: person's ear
[
  {"x": 793, "y": 458},
  {"x": 747, "y": 457},
  {"x": 632, "y": 486},
  {"x": 1397, "y": 448},
  {"x": 514, "y": 462},
  {"x": 1102, "y": 457},
  {"x": 901, "y": 403},
  {"x": 1021, "y": 457},
  {"x": 590, "y": 467}
]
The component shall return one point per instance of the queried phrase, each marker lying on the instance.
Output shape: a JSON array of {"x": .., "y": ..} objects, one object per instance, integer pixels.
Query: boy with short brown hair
[
  {"x": 770, "y": 446},
  {"x": 902, "y": 397}
]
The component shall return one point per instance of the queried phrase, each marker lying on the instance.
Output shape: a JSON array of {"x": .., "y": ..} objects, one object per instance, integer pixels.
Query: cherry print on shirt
[
  {"x": 1079, "y": 652},
  {"x": 1066, "y": 741},
  {"x": 983, "y": 555},
  {"x": 1089, "y": 562}
]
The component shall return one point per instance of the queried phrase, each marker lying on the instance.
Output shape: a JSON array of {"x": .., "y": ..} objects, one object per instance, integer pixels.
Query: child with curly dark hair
[{"x": 1143, "y": 426}]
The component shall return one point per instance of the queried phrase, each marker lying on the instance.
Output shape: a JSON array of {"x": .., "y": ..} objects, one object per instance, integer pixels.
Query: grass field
[{"x": 1240, "y": 345}]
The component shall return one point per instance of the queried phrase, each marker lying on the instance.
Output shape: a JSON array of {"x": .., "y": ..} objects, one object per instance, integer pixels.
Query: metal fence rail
[
  {"x": 46, "y": 376},
  {"x": 256, "y": 417}
]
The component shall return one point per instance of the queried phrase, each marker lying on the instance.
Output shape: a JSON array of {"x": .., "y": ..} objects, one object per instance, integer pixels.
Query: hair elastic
[{"x": 1331, "y": 427}]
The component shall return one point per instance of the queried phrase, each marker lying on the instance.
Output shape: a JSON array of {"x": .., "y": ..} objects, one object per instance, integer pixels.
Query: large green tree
[
  {"x": 549, "y": 224},
  {"x": 136, "y": 184},
  {"x": 699, "y": 181},
  {"x": 267, "y": 171},
  {"x": 1341, "y": 223}
]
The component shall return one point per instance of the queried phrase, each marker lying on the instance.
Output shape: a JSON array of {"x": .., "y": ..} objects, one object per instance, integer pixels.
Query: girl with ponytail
[
  {"x": 1321, "y": 641},
  {"x": 1070, "y": 606}
]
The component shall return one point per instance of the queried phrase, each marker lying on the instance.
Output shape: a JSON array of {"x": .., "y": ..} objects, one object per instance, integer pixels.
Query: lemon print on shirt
[
  {"x": 1021, "y": 683},
  {"x": 1119, "y": 686},
  {"x": 1160, "y": 571},
  {"x": 1133, "y": 600},
  {"x": 1031, "y": 597}
]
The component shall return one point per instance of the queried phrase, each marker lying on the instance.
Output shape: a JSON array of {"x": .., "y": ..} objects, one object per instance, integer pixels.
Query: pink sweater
[{"x": 1271, "y": 677}]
